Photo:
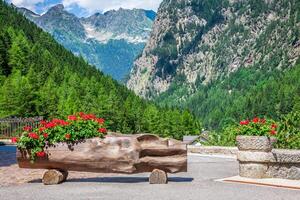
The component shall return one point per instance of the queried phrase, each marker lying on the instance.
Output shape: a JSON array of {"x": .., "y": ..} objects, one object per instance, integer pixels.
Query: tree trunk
[
  {"x": 126, "y": 154},
  {"x": 53, "y": 177},
  {"x": 158, "y": 177}
]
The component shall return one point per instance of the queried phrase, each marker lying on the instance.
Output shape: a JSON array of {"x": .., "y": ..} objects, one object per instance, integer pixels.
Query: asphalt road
[{"x": 199, "y": 184}]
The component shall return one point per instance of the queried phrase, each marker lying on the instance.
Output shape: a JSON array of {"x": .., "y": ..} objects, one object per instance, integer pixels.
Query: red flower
[
  {"x": 100, "y": 120},
  {"x": 256, "y": 120},
  {"x": 87, "y": 116},
  {"x": 273, "y": 132},
  {"x": 45, "y": 135},
  {"x": 14, "y": 140},
  {"x": 274, "y": 126},
  {"x": 27, "y": 128},
  {"x": 245, "y": 122},
  {"x": 41, "y": 129},
  {"x": 72, "y": 117},
  {"x": 34, "y": 136},
  {"x": 50, "y": 125},
  {"x": 43, "y": 122},
  {"x": 81, "y": 114},
  {"x": 262, "y": 121},
  {"x": 41, "y": 154},
  {"x": 102, "y": 130},
  {"x": 68, "y": 136},
  {"x": 60, "y": 122}
]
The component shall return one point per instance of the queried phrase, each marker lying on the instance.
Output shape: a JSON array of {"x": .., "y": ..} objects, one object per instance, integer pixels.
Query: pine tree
[
  {"x": 19, "y": 53},
  {"x": 5, "y": 44}
]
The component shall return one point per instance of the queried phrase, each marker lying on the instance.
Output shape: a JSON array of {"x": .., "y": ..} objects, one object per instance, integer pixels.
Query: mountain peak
[
  {"x": 57, "y": 8},
  {"x": 27, "y": 12}
]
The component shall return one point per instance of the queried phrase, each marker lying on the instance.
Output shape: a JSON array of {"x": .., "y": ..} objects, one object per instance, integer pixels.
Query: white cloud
[
  {"x": 30, "y": 4},
  {"x": 89, "y": 6},
  {"x": 105, "y": 5}
]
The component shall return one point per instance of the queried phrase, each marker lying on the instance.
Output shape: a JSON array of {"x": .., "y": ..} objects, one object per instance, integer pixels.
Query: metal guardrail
[{"x": 12, "y": 127}]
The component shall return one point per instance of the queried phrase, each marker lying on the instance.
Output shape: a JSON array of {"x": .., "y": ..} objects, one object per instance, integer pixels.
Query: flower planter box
[
  {"x": 258, "y": 159},
  {"x": 249, "y": 147},
  {"x": 127, "y": 154}
]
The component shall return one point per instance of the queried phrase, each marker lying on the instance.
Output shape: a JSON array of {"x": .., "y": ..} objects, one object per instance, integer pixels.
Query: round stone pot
[{"x": 255, "y": 143}]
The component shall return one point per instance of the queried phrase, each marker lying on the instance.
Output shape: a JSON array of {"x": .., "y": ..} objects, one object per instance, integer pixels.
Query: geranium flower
[
  {"x": 68, "y": 136},
  {"x": 43, "y": 122},
  {"x": 60, "y": 122},
  {"x": 273, "y": 132},
  {"x": 256, "y": 120},
  {"x": 100, "y": 120},
  {"x": 14, "y": 140},
  {"x": 81, "y": 114},
  {"x": 72, "y": 118},
  {"x": 27, "y": 128},
  {"x": 34, "y": 136},
  {"x": 45, "y": 135},
  {"x": 50, "y": 125},
  {"x": 63, "y": 123},
  {"x": 102, "y": 130},
  {"x": 274, "y": 126},
  {"x": 245, "y": 122},
  {"x": 88, "y": 116},
  {"x": 41, "y": 154},
  {"x": 41, "y": 129}
]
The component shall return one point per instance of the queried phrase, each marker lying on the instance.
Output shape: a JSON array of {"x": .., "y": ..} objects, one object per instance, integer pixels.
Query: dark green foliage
[
  {"x": 244, "y": 94},
  {"x": 40, "y": 78},
  {"x": 289, "y": 130},
  {"x": 226, "y": 137},
  {"x": 288, "y": 134}
]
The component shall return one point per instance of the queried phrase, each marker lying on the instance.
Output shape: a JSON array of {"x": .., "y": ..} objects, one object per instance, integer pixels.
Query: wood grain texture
[
  {"x": 158, "y": 177},
  {"x": 53, "y": 177},
  {"x": 114, "y": 154}
]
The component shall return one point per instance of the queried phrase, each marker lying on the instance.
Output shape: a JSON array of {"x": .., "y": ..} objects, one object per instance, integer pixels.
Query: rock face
[
  {"x": 194, "y": 42},
  {"x": 110, "y": 41},
  {"x": 114, "y": 154}
]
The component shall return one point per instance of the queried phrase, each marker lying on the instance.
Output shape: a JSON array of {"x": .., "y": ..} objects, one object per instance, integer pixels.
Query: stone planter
[
  {"x": 257, "y": 159},
  {"x": 254, "y": 155},
  {"x": 126, "y": 154}
]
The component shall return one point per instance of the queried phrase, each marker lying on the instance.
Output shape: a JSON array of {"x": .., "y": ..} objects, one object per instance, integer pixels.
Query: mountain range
[
  {"x": 223, "y": 59},
  {"x": 110, "y": 41},
  {"x": 39, "y": 77}
]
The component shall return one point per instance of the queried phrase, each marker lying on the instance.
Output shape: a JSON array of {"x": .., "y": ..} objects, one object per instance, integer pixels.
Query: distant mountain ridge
[{"x": 110, "y": 41}]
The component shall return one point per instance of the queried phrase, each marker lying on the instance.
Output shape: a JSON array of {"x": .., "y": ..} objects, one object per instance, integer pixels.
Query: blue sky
[{"x": 86, "y": 7}]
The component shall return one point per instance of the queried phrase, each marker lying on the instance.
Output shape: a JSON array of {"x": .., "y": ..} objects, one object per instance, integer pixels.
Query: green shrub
[{"x": 289, "y": 131}]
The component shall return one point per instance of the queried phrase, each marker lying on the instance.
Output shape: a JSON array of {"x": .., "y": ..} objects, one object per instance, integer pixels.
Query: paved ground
[{"x": 197, "y": 184}]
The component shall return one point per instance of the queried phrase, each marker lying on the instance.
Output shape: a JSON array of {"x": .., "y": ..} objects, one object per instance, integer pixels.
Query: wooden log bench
[{"x": 125, "y": 154}]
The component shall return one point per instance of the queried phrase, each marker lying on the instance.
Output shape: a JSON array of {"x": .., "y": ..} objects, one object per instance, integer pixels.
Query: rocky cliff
[{"x": 196, "y": 42}]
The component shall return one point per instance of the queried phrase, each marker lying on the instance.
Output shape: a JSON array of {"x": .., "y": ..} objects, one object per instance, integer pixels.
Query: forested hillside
[
  {"x": 38, "y": 77},
  {"x": 244, "y": 94},
  {"x": 225, "y": 60}
]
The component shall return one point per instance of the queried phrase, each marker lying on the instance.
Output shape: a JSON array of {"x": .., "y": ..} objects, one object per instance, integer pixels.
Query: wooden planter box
[{"x": 125, "y": 154}]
